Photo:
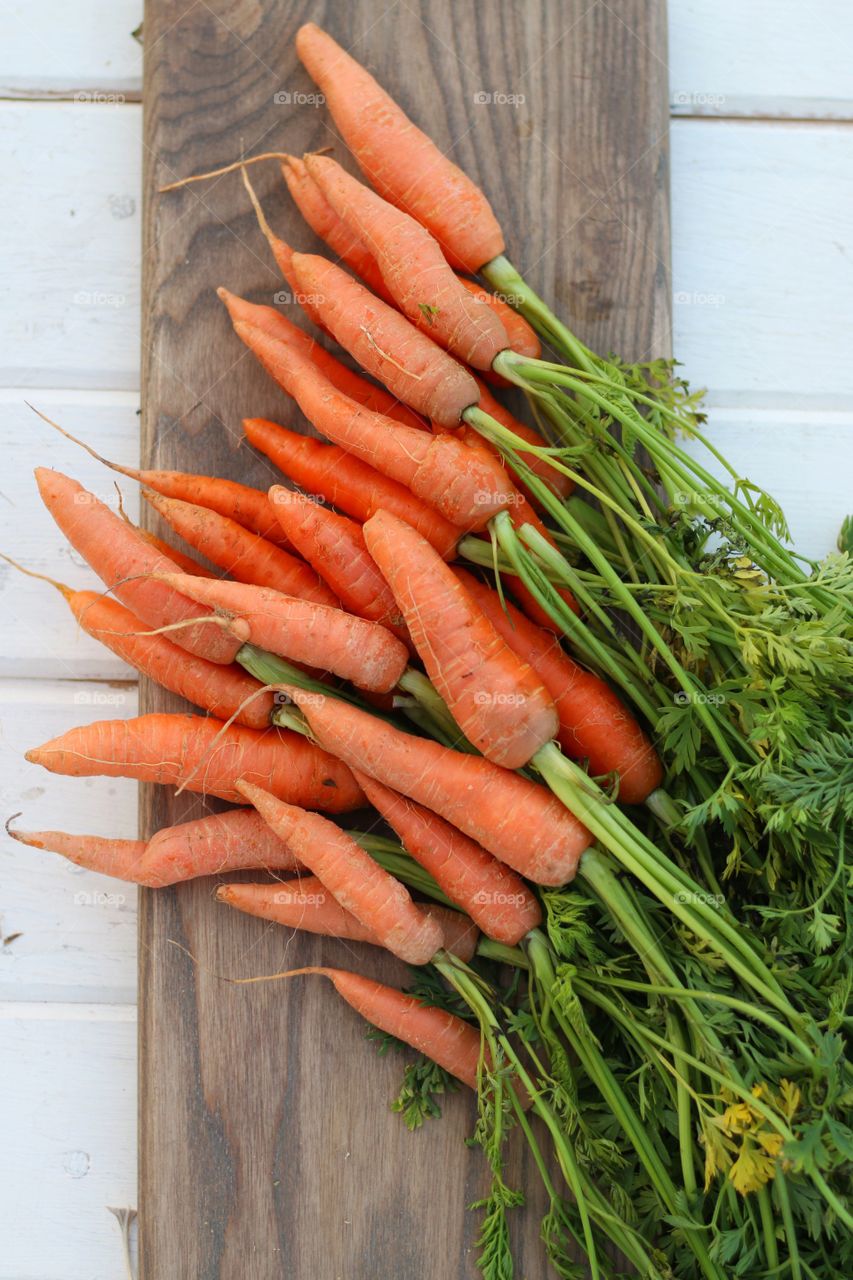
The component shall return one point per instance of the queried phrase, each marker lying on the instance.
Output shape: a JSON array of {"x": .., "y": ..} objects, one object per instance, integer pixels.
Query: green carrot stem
[
  {"x": 658, "y": 873},
  {"x": 270, "y": 669},
  {"x": 599, "y": 1072},
  {"x": 781, "y": 1190},
  {"x": 768, "y": 1228},
  {"x": 744, "y": 1007},
  {"x": 458, "y": 979}
]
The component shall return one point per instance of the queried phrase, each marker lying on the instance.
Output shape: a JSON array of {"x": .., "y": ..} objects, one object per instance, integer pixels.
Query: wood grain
[{"x": 266, "y": 1144}]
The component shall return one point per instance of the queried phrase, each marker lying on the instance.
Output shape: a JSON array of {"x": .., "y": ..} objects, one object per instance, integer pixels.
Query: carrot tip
[{"x": 18, "y": 835}]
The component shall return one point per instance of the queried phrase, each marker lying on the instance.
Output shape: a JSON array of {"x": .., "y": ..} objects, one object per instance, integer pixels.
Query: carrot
[
  {"x": 555, "y": 480},
  {"x": 201, "y": 754},
  {"x": 249, "y": 507},
  {"x": 344, "y": 241},
  {"x": 238, "y": 502},
  {"x": 307, "y": 904},
  {"x": 463, "y": 481},
  {"x": 248, "y": 557},
  {"x": 400, "y": 161},
  {"x": 185, "y": 563},
  {"x": 493, "y": 896},
  {"x": 275, "y": 325},
  {"x": 515, "y": 819},
  {"x": 221, "y": 842},
  {"x": 413, "y": 268},
  {"x": 350, "y": 248},
  {"x": 386, "y": 344},
  {"x": 345, "y": 482},
  {"x": 443, "y": 1037},
  {"x": 237, "y": 840},
  {"x": 124, "y": 562},
  {"x": 360, "y": 885},
  {"x": 523, "y": 338},
  {"x": 594, "y": 723},
  {"x": 335, "y": 546},
  {"x": 495, "y": 697},
  {"x": 302, "y": 631},
  {"x": 223, "y": 691}
]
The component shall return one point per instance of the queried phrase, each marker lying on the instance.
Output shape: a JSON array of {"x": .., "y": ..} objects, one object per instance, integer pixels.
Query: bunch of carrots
[{"x": 427, "y": 617}]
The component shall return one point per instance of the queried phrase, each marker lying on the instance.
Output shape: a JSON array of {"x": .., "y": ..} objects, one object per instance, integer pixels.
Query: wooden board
[{"x": 266, "y": 1145}]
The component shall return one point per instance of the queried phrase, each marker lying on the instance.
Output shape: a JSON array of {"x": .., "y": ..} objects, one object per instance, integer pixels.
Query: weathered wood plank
[{"x": 265, "y": 1135}]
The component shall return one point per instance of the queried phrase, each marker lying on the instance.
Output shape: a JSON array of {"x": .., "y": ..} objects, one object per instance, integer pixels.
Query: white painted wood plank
[
  {"x": 761, "y": 57},
  {"x": 69, "y": 1139},
  {"x": 70, "y": 212},
  {"x": 40, "y": 636},
  {"x": 78, "y": 929},
  {"x": 763, "y": 259},
  {"x": 767, "y": 57},
  {"x": 52, "y": 47},
  {"x": 804, "y": 460}
]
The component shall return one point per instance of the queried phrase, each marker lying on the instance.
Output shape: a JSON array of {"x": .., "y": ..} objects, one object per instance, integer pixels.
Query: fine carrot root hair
[
  {"x": 413, "y": 268},
  {"x": 346, "y": 482},
  {"x": 360, "y": 885},
  {"x": 233, "y": 167},
  {"x": 124, "y": 562},
  {"x": 494, "y": 897},
  {"x": 200, "y": 752},
  {"x": 219, "y": 843},
  {"x": 516, "y": 820},
  {"x": 398, "y": 159},
  {"x": 335, "y": 546},
  {"x": 464, "y": 481},
  {"x": 304, "y": 632},
  {"x": 307, "y": 905},
  {"x": 495, "y": 697}
]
